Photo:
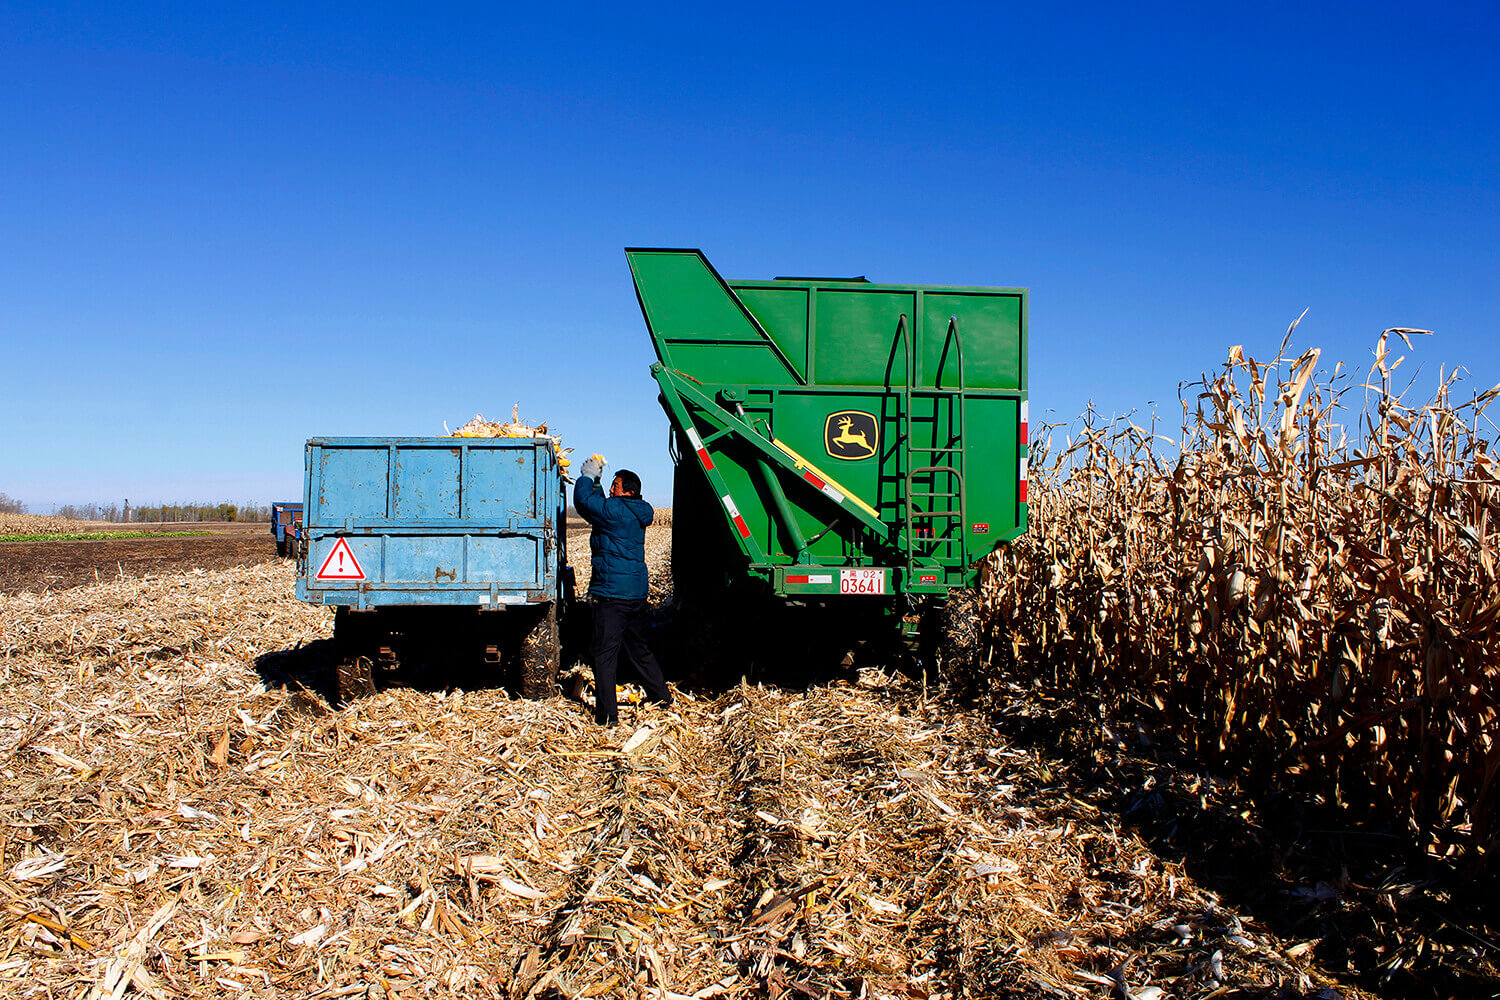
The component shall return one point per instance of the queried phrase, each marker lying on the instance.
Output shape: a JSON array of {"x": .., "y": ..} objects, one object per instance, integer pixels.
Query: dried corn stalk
[
  {"x": 39, "y": 524},
  {"x": 1303, "y": 591}
]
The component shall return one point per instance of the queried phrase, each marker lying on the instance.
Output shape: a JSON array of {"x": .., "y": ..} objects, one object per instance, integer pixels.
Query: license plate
[{"x": 861, "y": 581}]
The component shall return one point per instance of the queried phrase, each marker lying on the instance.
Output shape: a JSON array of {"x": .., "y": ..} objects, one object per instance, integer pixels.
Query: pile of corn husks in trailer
[{"x": 515, "y": 428}]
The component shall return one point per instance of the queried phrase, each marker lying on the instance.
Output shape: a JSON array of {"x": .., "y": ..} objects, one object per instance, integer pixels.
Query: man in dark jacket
[{"x": 617, "y": 583}]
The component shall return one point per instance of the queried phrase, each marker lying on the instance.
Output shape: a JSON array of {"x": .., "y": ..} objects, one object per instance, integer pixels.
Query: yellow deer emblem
[{"x": 856, "y": 437}]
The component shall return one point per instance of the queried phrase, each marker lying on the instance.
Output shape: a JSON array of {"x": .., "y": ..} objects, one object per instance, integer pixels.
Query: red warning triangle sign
[{"x": 341, "y": 564}]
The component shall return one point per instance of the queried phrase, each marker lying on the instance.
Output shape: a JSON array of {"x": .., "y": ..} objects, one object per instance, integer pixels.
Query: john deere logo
[{"x": 851, "y": 435}]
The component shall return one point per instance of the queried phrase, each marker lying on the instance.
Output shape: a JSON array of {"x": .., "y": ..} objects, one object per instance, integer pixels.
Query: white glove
[{"x": 592, "y": 467}]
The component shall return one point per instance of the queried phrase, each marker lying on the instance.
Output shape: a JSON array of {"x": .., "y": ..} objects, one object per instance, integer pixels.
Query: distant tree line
[
  {"x": 11, "y": 506},
  {"x": 119, "y": 514},
  {"x": 201, "y": 512}
]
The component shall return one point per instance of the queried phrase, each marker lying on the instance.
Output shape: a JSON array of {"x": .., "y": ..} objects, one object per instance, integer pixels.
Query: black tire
[
  {"x": 353, "y": 634},
  {"x": 355, "y": 679},
  {"x": 281, "y": 549},
  {"x": 539, "y": 656},
  {"x": 957, "y": 642}
]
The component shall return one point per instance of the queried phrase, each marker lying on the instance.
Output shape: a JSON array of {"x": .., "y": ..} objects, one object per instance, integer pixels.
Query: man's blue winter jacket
[{"x": 618, "y": 540}]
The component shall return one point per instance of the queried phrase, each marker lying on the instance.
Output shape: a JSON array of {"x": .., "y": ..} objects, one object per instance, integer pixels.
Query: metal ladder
[{"x": 925, "y": 546}]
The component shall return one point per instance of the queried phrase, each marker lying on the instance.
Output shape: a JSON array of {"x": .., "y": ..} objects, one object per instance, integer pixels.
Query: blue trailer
[
  {"x": 451, "y": 546},
  {"x": 286, "y": 526}
]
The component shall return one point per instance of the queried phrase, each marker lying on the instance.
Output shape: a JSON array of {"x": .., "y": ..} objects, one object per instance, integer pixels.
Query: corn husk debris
[{"x": 514, "y": 428}]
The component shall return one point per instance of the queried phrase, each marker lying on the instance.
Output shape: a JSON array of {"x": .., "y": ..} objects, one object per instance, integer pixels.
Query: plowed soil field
[{"x": 38, "y": 566}]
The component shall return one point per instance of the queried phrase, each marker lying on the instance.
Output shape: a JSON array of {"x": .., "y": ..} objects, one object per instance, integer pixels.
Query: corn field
[{"x": 1300, "y": 589}]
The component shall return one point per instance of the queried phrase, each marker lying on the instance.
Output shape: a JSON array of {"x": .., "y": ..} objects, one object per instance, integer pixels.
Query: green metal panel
[
  {"x": 687, "y": 304},
  {"x": 990, "y": 326},
  {"x": 992, "y": 482},
  {"x": 782, "y": 313},
  {"x": 856, "y": 336},
  {"x": 840, "y": 424}
]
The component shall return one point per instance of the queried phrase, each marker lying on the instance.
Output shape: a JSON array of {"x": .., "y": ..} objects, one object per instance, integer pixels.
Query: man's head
[{"x": 626, "y": 484}]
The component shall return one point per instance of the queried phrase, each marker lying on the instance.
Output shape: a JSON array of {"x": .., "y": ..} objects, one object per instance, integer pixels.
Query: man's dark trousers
[{"x": 620, "y": 623}]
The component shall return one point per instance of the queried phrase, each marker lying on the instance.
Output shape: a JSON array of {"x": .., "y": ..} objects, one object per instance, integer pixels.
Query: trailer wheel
[
  {"x": 281, "y": 549},
  {"x": 356, "y": 679},
  {"x": 957, "y": 642},
  {"x": 353, "y": 634},
  {"x": 539, "y": 656}
]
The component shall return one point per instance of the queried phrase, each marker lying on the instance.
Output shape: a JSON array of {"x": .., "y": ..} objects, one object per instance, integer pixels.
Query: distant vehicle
[
  {"x": 286, "y": 526},
  {"x": 451, "y": 546}
]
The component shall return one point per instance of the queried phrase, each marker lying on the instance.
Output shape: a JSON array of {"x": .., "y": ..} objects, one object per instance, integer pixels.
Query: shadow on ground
[
  {"x": 1370, "y": 907},
  {"x": 313, "y": 667}
]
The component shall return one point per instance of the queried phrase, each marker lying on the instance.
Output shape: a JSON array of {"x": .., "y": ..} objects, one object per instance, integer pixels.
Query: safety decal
[
  {"x": 341, "y": 564},
  {"x": 734, "y": 513},
  {"x": 697, "y": 443},
  {"x": 809, "y": 578},
  {"x": 851, "y": 435},
  {"x": 829, "y": 491}
]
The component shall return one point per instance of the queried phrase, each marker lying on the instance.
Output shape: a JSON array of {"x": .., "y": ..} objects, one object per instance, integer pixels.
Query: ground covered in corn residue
[{"x": 185, "y": 814}]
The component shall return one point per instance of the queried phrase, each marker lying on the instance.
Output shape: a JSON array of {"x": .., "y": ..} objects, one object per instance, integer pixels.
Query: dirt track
[{"x": 40, "y": 566}]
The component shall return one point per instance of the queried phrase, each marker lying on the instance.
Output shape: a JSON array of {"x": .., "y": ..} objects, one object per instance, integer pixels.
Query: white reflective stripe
[
  {"x": 692, "y": 436},
  {"x": 836, "y": 496},
  {"x": 820, "y": 578},
  {"x": 1023, "y": 470},
  {"x": 729, "y": 504},
  {"x": 1025, "y": 410}
]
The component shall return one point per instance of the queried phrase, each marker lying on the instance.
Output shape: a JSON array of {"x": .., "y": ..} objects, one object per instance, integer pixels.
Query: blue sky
[{"x": 225, "y": 229}]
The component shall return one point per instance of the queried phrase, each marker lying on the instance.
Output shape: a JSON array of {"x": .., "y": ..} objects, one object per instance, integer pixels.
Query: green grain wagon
[{"x": 837, "y": 439}]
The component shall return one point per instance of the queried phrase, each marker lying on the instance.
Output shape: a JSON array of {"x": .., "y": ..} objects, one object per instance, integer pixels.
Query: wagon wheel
[
  {"x": 539, "y": 656},
  {"x": 957, "y": 641},
  {"x": 281, "y": 549},
  {"x": 356, "y": 678},
  {"x": 354, "y": 636}
]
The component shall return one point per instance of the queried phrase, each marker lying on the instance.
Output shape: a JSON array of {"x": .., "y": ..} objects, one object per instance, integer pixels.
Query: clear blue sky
[{"x": 227, "y": 228}]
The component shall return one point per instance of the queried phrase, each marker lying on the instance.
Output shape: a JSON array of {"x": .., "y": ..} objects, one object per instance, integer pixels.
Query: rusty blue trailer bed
[{"x": 457, "y": 540}]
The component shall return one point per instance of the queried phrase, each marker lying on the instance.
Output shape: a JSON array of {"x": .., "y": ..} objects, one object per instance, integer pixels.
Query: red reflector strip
[
  {"x": 1025, "y": 419},
  {"x": 831, "y": 493},
  {"x": 1022, "y": 491},
  {"x": 697, "y": 443},
  {"x": 797, "y": 579},
  {"x": 734, "y": 513}
]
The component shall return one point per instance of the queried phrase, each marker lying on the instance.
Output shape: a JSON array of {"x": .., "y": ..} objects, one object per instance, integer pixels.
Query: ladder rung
[
  {"x": 936, "y": 513},
  {"x": 935, "y": 450}
]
